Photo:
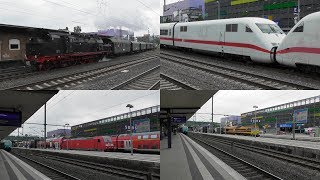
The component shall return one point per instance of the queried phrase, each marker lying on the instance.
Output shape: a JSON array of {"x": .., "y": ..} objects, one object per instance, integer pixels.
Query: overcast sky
[
  {"x": 91, "y": 15},
  {"x": 235, "y": 102},
  {"x": 76, "y": 107}
]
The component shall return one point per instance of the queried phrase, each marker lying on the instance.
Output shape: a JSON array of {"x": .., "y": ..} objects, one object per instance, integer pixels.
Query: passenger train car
[
  {"x": 254, "y": 38},
  {"x": 142, "y": 142},
  {"x": 242, "y": 130},
  {"x": 301, "y": 47}
]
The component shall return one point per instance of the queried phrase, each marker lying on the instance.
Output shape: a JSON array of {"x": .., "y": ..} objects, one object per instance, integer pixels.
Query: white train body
[
  {"x": 250, "y": 37},
  {"x": 302, "y": 44}
]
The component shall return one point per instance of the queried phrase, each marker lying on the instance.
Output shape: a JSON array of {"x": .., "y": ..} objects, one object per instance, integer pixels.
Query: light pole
[
  {"x": 293, "y": 126},
  {"x": 131, "y": 144},
  {"x": 218, "y": 9},
  {"x": 298, "y": 10},
  {"x": 65, "y": 134},
  {"x": 255, "y": 119}
]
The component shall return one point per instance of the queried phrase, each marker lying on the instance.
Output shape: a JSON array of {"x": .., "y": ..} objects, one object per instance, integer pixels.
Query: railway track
[
  {"x": 170, "y": 83},
  {"x": 243, "y": 167},
  {"x": 259, "y": 81},
  {"x": 78, "y": 78},
  {"x": 104, "y": 168},
  {"x": 50, "y": 172},
  {"x": 7, "y": 74},
  {"x": 310, "y": 163},
  {"x": 148, "y": 80}
]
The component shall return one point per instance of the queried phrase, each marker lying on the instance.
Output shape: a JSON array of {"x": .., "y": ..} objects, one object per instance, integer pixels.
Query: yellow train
[{"x": 242, "y": 130}]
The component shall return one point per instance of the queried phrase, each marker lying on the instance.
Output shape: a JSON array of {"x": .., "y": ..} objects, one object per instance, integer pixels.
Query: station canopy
[
  {"x": 26, "y": 102},
  {"x": 183, "y": 102}
]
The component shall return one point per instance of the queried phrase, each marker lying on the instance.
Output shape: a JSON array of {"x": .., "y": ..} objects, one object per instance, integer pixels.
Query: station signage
[
  {"x": 180, "y": 119},
  {"x": 8, "y": 118},
  {"x": 301, "y": 115}
]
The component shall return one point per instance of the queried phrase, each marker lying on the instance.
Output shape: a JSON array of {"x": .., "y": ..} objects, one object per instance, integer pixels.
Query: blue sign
[
  {"x": 10, "y": 118},
  {"x": 179, "y": 119},
  {"x": 286, "y": 125}
]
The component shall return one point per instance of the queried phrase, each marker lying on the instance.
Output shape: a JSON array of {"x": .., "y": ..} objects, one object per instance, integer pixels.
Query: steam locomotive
[{"x": 52, "y": 49}]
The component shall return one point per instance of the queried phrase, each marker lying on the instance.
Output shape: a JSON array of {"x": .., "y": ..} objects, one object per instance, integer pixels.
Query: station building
[
  {"x": 59, "y": 133},
  {"x": 13, "y": 40},
  {"x": 189, "y": 10},
  {"x": 143, "y": 120},
  {"x": 231, "y": 120},
  {"x": 282, "y": 12},
  {"x": 305, "y": 113}
]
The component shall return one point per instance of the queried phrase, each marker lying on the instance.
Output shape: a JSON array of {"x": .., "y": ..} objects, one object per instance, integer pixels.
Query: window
[
  {"x": 270, "y": 28},
  {"x": 164, "y": 32},
  {"x": 169, "y": 32},
  {"x": 14, "y": 44},
  {"x": 248, "y": 29},
  {"x": 299, "y": 28},
  {"x": 232, "y": 28},
  {"x": 183, "y": 28}
]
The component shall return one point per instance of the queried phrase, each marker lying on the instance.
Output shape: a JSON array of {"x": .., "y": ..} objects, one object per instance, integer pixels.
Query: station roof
[
  {"x": 183, "y": 102},
  {"x": 28, "y": 102}
]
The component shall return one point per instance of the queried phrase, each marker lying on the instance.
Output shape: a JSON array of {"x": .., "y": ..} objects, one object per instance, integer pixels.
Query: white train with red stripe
[
  {"x": 256, "y": 38},
  {"x": 301, "y": 47}
]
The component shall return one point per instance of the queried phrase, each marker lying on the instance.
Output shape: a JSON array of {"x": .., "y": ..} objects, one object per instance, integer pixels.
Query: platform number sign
[
  {"x": 301, "y": 115},
  {"x": 10, "y": 118}
]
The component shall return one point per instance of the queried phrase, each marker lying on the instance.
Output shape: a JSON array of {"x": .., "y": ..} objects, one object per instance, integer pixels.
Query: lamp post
[
  {"x": 293, "y": 126},
  {"x": 66, "y": 125},
  {"x": 218, "y": 9},
  {"x": 131, "y": 144},
  {"x": 255, "y": 119},
  {"x": 298, "y": 10}
]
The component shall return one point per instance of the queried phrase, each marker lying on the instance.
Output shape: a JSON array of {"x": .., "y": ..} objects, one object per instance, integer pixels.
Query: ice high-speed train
[
  {"x": 256, "y": 38},
  {"x": 301, "y": 47}
]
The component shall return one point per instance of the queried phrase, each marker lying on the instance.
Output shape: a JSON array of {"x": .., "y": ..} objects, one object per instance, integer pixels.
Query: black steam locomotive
[{"x": 52, "y": 49}]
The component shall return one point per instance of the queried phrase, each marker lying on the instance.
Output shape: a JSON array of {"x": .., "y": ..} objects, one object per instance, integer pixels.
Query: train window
[
  {"x": 154, "y": 136},
  {"x": 14, "y": 44},
  {"x": 185, "y": 29},
  {"x": 164, "y": 32},
  {"x": 299, "y": 28},
  {"x": 169, "y": 32},
  {"x": 139, "y": 137},
  {"x": 248, "y": 29},
  {"x": 228, "y": 28},
  {"x": 181, "y": 28},
  {"x": 145, "y": 136},
  {"x": 234, "y": 28}
]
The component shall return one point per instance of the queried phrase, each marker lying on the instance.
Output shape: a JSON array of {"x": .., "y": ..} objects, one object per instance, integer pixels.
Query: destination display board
[
  {"x": 8, "y": 118},
  {"x": 181, "y": 119}
]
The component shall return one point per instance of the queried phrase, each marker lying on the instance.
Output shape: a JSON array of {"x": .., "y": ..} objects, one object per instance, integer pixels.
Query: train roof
[{"x": 221, "y": 21}]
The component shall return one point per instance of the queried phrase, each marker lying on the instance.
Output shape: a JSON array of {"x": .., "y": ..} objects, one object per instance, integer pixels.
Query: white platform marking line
[
  {"x": 226, "y": 171},
  {"x": 4, "y": 174},
  {"x": 203, "y": 170},
  {"x": 16, "y": 171},
  {"x": 33, "y": 172}
]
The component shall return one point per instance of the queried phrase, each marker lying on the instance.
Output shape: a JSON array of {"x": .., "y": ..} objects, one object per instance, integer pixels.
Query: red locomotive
[{"x": 142, "y": 142}]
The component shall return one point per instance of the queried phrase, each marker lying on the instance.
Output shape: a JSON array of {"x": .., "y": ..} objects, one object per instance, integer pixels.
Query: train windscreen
[
  {"x": 107, "y": 139},
  {"x": 270, "y": 28}
]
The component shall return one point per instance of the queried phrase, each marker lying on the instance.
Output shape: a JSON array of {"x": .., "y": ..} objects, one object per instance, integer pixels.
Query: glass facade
[
  {"x": 120, "y": 124},
  {"x": 280, "y": 11},
  {"x": 306, "y": 113}
]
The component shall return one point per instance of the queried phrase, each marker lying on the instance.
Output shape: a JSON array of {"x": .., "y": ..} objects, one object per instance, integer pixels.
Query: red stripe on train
[
  {"x": 300, "y": 49},
  {"x": 243, "y": 45}
]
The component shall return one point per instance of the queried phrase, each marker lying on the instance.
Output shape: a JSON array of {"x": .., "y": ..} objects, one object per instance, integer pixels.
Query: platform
[
  {"x": 296, "y": 147},
  {"x": 187, "y": 160},
  {"x": 143, "y": 162},
  {"x": 13, "y": 168},
  {"x": 115, "y": 155}
]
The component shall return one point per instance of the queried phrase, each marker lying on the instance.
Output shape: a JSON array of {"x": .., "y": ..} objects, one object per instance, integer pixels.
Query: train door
[
  {"x": 222, "y": 40},
  {"x": 96, "y": 144},
  {"x": 127, "y": 144}
]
